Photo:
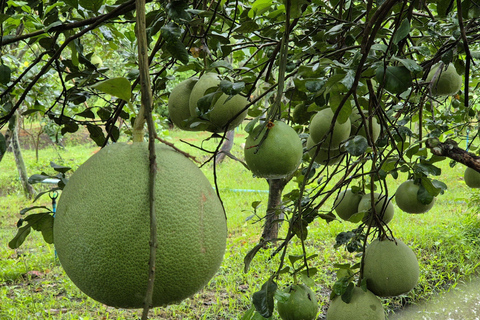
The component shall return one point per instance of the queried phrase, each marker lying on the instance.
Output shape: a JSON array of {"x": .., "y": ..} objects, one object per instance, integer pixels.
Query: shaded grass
[{"x": 34, "y": 286}]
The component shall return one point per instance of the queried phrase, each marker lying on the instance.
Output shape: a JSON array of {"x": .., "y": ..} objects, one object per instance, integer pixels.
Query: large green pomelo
[
  {"x": 178, "y": 104},
  {"x": 358, "y": 127},
  {"x": 301, "y": 305},
  {"x": 206, "y": 81},
  {"x": 324, "y": 156},
  {"x": 390, "y": 268},
  {"x": 364, "y": 305},
  {"x": 320, "y": 129},
  {"x": 407, "y": 200},
  {"x": 472, "y": 178},
  {"x": 301, "y": 115},
  {"x": 102, "y": 227},
  {"x": 383, "y": 207},
  {"x": 448, "y": 83},
  {"x": 346, "y": 204},
  {"x": 225, "y": 111},
  {"x": 277, "y": 156}
]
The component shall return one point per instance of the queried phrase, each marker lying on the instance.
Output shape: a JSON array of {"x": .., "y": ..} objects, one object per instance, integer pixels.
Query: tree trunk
[
  {"x": 17, "y": 152},
  {"x": 274, "y": 215},
  {"x": 8, "y": 136},
  {"x": 226, "y": 147}
]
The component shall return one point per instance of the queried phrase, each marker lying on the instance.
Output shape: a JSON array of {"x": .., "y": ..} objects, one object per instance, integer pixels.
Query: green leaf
[
  {"x": 5, "y": 74},
  {"x": 87, "y": 113},
  {"x": 36, "y": 178},
  {"x": 96, "y": 134},
  {"x": 357, "y": 146},
  {"x": 396, "y": 79},
  {"x": 444, "y": 7},
  {"x": 20, "y": 237},
  {"x": 92, "y": 5},
  {"x": 348, "y": 294},
  {"x": 249, "y": 257},
  {"x": 410, "y": 64},
  {"x": 178, "y": 51},
  {"x": 58, "y": 167},
  {"x": 315, "y": 85},
  {"x": 221, "y": 64},
  {"x": 46, "y": 228},
  {"x": 25, "y": 210},
  {"x": 231, "y": 88},
  {"x": 294, "y": 258},
  {"x": 263, "y": 299},
  {"x": 402, "y": 31},
  {"x": 119, "y": 87}
]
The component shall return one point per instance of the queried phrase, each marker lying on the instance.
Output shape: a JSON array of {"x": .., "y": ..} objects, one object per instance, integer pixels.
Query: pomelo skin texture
[
  {"x": 390, "y": 268},
  {"x": 383, "y": 207},
  {"x": 324, "y": 156},
  {"x": 406, "y": 198},
  {"x": 102, "y": 227},
  {"x": 178, "y": 104},
  {"x": 448, "y": 83},
  {"x": 363, "y": 306},
  {"x": 278, "y": 156},
  {"x": 472, "y": 178},
  {"x": 320, "y": 126},
  {"x": 301, "y": 305},
  {"x": 358, "y": 128},
  {"x": 346, "y": 204}
]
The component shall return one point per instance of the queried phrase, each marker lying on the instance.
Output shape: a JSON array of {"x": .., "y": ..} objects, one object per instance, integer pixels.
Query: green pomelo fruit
[
  {"x": 225, "y": 111},
  {"x": 178, "y": 104},
  {"x": 222, "y": 110},
  {"x": 277, "y": 156},
  {"x": 206, "y": 81},
  {"x": 320, "y": 129},
  {"x": 324, "y": 156},
  {"x": 102, "y": 227},
  {"x": 301, "y": 305},
  {"x": 358, "y": 127},
  {"x": 346, "y": 204},
  {"x": 472, "y": 178},
  {"x": 364, "y": 305},
  {"x": 301, "y": 115},
  {"x": 448, "y": 83},
  {"x": 407, "y": 200},
  {"x": 390, "y": 268},
  {"x": 383, "y": 208}
]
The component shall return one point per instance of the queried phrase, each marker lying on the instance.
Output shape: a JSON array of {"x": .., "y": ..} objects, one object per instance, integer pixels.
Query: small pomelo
[
  {"x": 320, "y": 127},
  {"x": 301, "y": 115},
  {"x": 448, "y": 83},
  {"x": 364, "y": 305},
  {"x": 390, "y": 268},
  {"x": 301, "y": 305},
  {"x": 346, "y": 204},
  {"x": 472, "y": 178},
  {"x": 276, "y": 156},
  {"x": 383, "y": 207},
  {"x": 178, "y": 104},
  {"x": 324, "y": 156},
  {"x": 407, "y": 199},
  {"x": 102, "y": 226}
]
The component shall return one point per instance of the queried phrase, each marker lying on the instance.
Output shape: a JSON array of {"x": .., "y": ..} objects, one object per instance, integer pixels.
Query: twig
[{"x": 186, "y": 154}]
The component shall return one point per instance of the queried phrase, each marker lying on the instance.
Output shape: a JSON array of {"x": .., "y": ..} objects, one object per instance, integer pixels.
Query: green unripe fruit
[
  {"x": 364, "y": 305},
  {"x": 320, "y": 127},
  {"x": 301, "y": 305},
  {"x": 178, "y": 104},
  {"x": 358, "y": 128},
  {"x": 448, "y": 83},
  {"x": 96, "y": 61},
  {"x": 390, "y": 268},
  {"x": 278, "y": 155},
  {"x": 324, "y": 156},
  {"x": 346, "y": 205},
  {"x": 301, "y": 115},
  {"x": 407, "y": 199},
  {"x": 472, "y": 178},
  {"x": 383, "y": 208},
  {"x": 222, "y": 109}
]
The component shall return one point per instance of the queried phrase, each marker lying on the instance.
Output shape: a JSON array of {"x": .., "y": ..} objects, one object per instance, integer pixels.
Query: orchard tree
[{"x": 338, "y": 97}]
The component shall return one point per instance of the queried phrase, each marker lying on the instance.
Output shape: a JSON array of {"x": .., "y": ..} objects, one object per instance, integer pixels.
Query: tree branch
[{"x": 450, "y": 149}]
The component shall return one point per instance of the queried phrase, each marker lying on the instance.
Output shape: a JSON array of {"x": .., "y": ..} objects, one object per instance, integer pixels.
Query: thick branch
[{"x": 450, "y": 149}]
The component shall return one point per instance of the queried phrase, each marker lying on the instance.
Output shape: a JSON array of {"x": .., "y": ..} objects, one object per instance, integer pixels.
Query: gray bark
[
  {"x": 274, "y": 215},
  {"x": 226, "y": 147}
]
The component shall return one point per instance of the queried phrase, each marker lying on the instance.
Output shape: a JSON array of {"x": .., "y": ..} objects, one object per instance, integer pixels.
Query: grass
[{"x": 34, "y": 286}]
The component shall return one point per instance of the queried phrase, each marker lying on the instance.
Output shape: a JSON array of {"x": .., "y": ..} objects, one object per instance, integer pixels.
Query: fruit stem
[{"x": 145, "y": 115}]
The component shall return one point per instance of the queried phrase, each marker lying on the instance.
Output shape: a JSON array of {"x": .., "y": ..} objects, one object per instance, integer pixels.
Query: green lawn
[{"x": 33, "y": 285}]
